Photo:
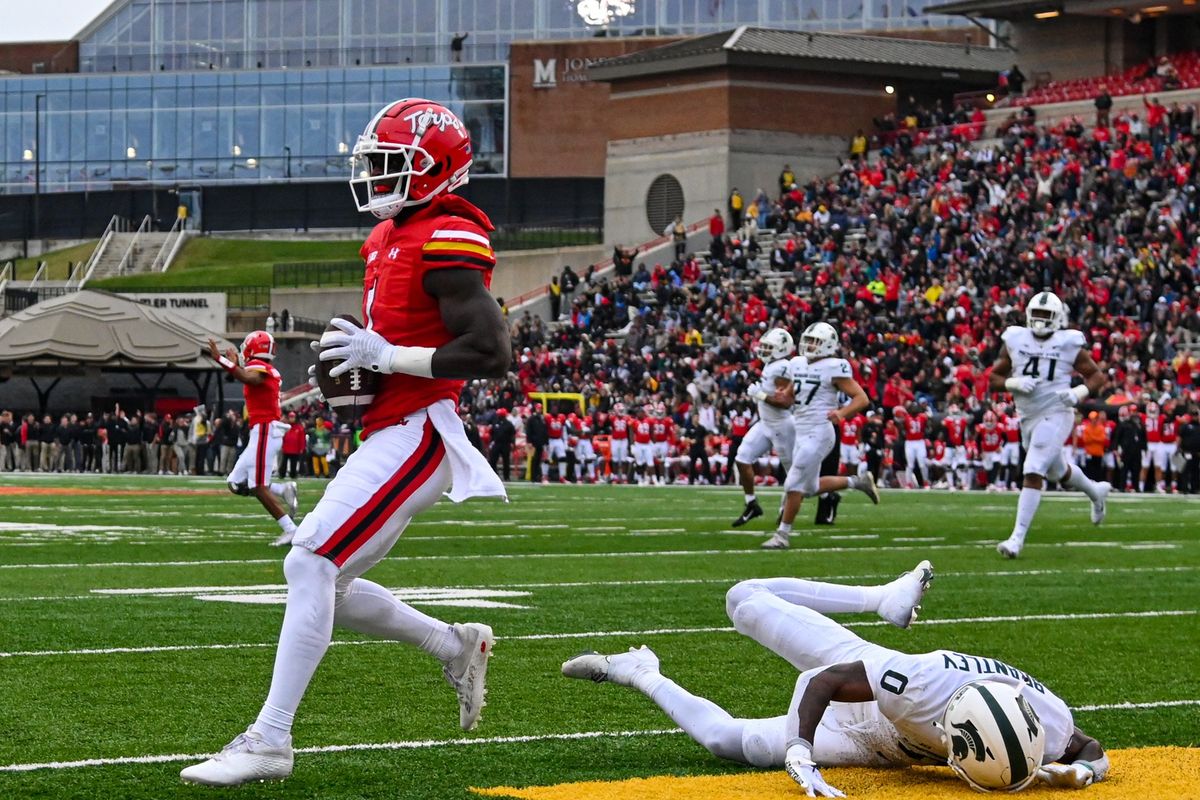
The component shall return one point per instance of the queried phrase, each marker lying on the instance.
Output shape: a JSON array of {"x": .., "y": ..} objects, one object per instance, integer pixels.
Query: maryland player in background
[
  {"x": 430, "y": 324},
  {"x": 1035, "y": 363},
  {"x": 251, "y": 473}
]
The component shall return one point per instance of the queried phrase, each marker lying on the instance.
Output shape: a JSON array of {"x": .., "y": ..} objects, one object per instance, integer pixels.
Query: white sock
[
  {"x": 303, "y": 639},
  {"x": 1077, "y": 480},
  {"x": 703, "y": 720},
  {"x": 853, "y": 482},
  {"x": 750, "y": 498},
  {"x": 286, "y": 524},
  {"x": 369, "y": 608},
  {"x": 785, "y": 527},
  {"x": 276, "y": 488},
  {"x": 1027, "y": 506}
]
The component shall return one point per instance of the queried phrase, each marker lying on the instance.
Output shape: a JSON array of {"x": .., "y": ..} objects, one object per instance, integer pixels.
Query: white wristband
[
  {"x": 410, "y": 360},
  {"x": 1081, "y": 391},
  {"x": 1012, "y": 384},
  {"x": 226, "y": 363}
]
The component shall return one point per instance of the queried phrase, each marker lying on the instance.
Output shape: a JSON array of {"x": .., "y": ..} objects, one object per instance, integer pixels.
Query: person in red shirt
[
  {"x": 251, "y": 473},
  {"x": 1010, "y": 455},
  {"x": 618, "y": 445},
  {"x": 662, "y": 434},
  {"x": 643, "y": 447},
  {"x": 295, "y": 446},
  {"x": 991, "y": 441},
  {"x": 955, "y": 425},
  {"x": 916, "y": 455},
  {"x": 556, "y": 447},
  {"x": 851, "y": 456},
  {"x": 430, "y": 324}
]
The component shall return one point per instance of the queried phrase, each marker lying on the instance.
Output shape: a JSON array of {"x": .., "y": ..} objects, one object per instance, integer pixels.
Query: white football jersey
[
  {"x": 816, "y": 395},
  {"x": 912, "y": 691},
  {"x": 1049, "y": 361},
  {"x": 768, "y": 413}
]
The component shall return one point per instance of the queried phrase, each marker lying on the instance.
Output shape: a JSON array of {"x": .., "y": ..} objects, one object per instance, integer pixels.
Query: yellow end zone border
[{"x": 1149, "y": 773}]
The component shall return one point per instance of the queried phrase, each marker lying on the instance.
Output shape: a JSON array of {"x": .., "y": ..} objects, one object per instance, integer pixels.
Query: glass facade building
[
  {"x": 216, "y": 127},
  {"x": 248, "y": 34}
]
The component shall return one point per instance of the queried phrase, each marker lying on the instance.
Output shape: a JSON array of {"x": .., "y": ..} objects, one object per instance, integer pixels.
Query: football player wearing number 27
[
  {"x": 857, "y": 704},
  {"x": 1035, "y": 363},
  {"x": 430, "y": 323}
]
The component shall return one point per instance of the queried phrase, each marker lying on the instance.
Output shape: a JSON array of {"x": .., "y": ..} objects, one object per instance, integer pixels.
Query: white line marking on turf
[
  {"x": 599, "y": 634},
  {"x": 424, "y": 744}
]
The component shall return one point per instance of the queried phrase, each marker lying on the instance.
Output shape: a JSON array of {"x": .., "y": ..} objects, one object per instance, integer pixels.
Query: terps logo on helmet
[
  {"x": 426, "y": 118},
  {"x": 970, "y": 742}
]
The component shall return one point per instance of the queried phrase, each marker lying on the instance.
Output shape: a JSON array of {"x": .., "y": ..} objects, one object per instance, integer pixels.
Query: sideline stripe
[
  {"x": 800, "y": 551},
  {"x": 424, "y": 744},
  {"x": 532, "y": 637}
]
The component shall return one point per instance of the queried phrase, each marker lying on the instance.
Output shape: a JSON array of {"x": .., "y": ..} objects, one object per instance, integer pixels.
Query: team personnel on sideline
[
  {"x": 991, "y": 444},
  {"x": 1010, "y": 454},
  {"x": 887, "y": 705},
  {"x": 251, "y": 473},
  {"x": 556, "y": 447},
  {"x": 850, "y": 455},
  {"x": 1035, "y": 363},
  {"x": 618, "y": 445},
  {"x": 774, "y": 428},
  {"x": 916, "y": 453},
  {"x": 955, "y": 424},
  {"x": 816, "y": 377},
  {"x": 430, "y": 324}
]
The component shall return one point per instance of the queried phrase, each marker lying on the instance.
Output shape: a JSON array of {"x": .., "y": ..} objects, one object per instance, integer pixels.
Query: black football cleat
[{"x": 752, "y": 510}]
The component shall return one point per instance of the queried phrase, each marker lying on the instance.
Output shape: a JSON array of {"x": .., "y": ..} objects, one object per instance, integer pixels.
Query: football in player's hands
[{"x": 351, "y": 391}]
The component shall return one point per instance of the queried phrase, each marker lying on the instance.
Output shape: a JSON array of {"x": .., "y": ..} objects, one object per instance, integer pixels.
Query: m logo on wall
[{"x": 543, "y": 73}]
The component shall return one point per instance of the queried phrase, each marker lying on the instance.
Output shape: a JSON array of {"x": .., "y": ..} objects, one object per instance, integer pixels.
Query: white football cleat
[
  {"x": 778, "y": 541},
  {"x": 902, "y": 597},
  {"x": 866, "y": 485},
  {"x": 1009, "y": 548},
  {"x": 467, "y": 672},
  {"x": 247, "y": 758},
  {"x": 289, "y": 497},
  {"x": 619, "y": 668},
  {"x": 1100, "y": 505}
]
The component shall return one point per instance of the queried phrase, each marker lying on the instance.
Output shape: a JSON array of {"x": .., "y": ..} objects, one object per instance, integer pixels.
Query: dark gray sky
[{"x": 37, "y": 20}]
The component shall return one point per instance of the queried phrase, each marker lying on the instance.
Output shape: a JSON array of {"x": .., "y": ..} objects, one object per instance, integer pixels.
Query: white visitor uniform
[
  {"x": 816, "y": 396},
  {"x": 1046, "y": 422},
  {"x": 256, "y": 463},
  {"x": 774, "y": 429},
  {"x": 911, "y": 692}
]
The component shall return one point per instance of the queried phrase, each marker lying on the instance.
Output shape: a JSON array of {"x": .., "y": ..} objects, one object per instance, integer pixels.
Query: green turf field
[{"x": 125, "y": 639}]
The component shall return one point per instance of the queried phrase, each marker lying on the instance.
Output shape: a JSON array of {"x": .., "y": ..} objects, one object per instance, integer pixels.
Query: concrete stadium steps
[{"x": 145, "y": 247}]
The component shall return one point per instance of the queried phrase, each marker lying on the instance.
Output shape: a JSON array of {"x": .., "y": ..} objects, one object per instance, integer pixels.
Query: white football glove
[
  {"x": 312, "y": 381},
  {"x": 800, "y": 766},
  {"x": 1021, "y": 385},
  {"x": 756, "y": 392},
  {"x": 355, "y": 347},
  {"x": 1067, "y": 776},
  {"x": 1073, "y": 396}
]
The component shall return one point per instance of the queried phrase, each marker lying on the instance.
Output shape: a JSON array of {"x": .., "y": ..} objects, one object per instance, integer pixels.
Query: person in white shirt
[
  {"x": 774, "y": 428},
  {"x": 1036, "y": 363}
]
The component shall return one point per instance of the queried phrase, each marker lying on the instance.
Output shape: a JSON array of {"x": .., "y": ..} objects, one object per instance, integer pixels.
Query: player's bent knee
[
  {"x": 722, "y": 738},
  {"x": 738, "y": 593},
  {"x": 302, "y": 566},
  {"x": 240, "y": 489}
]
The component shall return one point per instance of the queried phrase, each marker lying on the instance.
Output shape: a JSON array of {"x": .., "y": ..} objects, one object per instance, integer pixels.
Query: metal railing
[
  {"x": 113, "y": 226},
  {"x": 547, "y": 235},
  {"x": 214, "y": 58},
  {"x": 129, "y": 251},
  {"x": 39, "y": 275},
  {"x": 318, "y": 273},
  {"x": 170, "y": 246},
  {"x": 75, "y": 275},
  {"x": 20, "y": 299},
  {"x": 6, "y": 274},
  {"x": 306, "y": 325}
]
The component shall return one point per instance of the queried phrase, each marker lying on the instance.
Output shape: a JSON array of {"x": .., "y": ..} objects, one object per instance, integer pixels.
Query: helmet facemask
[{"x": 382, "y": 172}]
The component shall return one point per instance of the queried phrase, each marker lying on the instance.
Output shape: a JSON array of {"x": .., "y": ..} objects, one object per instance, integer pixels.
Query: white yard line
[
  {"x": 425, "y": 744},
  {"x": 599, "y": 634}
]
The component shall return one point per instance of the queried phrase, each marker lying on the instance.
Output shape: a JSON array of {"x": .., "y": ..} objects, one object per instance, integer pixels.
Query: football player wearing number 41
[
  {"x": 814, "y": 379},
  {"x": 430, "y": 324},
  {"x": 857, "y": 704},
  {"x": 1035, "y": 363}
]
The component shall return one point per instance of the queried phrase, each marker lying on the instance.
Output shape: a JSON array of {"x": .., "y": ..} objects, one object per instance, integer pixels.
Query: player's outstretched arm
[
  {"x": 229, "y": 362},
  {"x": 1083, "y": 764},
  {"x": 482, "y": 347},
  {"x": 844, "y": 683},
  {"x": 858, "y": 400}
]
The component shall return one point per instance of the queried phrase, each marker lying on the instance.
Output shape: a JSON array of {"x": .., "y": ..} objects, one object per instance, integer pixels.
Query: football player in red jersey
[
  {"x": 955, "y": 424},
  {"x": 430, "y": 324},
  {"x": 251, "y": 473},
  {"x": 618, "y": 444},
  {"x": 991, "y": 440}
]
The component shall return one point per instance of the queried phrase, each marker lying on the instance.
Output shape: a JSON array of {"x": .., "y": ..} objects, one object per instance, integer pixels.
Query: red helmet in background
[
  {"x": 412, "y": 151},
  {"x": 258, "y": 344}
]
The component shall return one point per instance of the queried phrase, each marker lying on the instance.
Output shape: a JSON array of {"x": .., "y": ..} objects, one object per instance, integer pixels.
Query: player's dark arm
[
  {"x": 482, "y": 347},
  {"x": 229, "y": 362},
  {"x": 1082, "y": 747},
  {"x": 1001, "y": 370},
  {"x": 783, "y": 396},
  {"x": 1089, "y": 370},
  {"x": 859, "y": 402},
  {"x": 843, "y": 683}
]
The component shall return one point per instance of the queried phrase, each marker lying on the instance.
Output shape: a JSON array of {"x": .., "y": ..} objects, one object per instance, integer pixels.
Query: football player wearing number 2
[
  {"x": 430, "y": 324},
  {"x": 1035, "y": 363},
  {"x": 814, "y": 379},
  {"x": 859, "y": 704}
]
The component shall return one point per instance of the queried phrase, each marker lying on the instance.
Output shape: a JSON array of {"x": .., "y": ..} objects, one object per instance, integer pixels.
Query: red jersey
[
  {"x": 956, "y": 430},
  {"x": 739, "y": 425},
  {"x": 1076, "y": 439},
  {"x": 262, "y": 400},
  {"x": 583, "y": 431},
  {"x": 1012, "y": 428},
  {"x": 641, "y": 431},
  {"x": 939, "y": 450},
  {"x": 448, "y": 233},
  {"x": 662, "y": 430},
  {"x": 914, "y": 427},
  {"x": 1169, "y": 436},
  {"x": 990, "y": 439},
  {"x": 556, "y": 429},
  {"x": 1154, "y": 426},
  {"x": 851, "y": 428},
  {"x": 620, "y": 428}
]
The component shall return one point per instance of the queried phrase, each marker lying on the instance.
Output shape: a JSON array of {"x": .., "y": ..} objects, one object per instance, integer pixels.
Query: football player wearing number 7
[
  {"x": 430, "y": 324},
  {"x": 857, "y": 704},
  {"x": 1035, "y": 363},
  {"x": 815, "y": 379}
]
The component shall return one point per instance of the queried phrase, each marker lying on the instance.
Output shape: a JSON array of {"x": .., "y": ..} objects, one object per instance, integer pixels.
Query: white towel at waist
[{"x": 470, "y": 473}]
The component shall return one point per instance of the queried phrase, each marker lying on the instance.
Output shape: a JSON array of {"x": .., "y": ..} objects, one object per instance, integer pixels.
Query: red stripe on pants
[{"x": 261, "y": 455}]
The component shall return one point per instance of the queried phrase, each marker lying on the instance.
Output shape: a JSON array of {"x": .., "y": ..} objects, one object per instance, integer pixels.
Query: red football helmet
[
  {"x": 258, "y": 344},
  {"x": 989, "y": 419},
  {"x": 412, "y": 151}
]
